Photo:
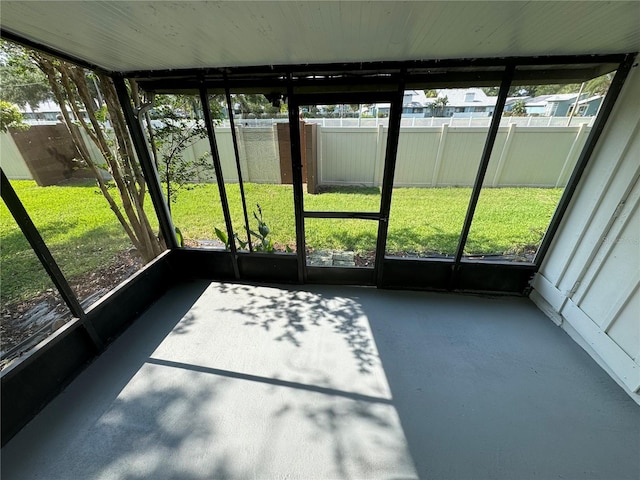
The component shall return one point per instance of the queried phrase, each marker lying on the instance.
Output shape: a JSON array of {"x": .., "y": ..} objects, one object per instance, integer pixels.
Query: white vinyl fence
[
  {"x": 257, "y": 149},
  {"x": 436, "y": 156},
  {"x": 449, "y": 156},
  {"x": 471, "y": 121}
]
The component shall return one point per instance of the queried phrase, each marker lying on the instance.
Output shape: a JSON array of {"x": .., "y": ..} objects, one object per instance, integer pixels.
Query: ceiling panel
[{"x": 140, "y": 35}]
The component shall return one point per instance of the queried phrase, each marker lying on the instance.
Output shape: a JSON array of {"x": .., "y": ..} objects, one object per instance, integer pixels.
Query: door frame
[{"x": 342, "y": 275}]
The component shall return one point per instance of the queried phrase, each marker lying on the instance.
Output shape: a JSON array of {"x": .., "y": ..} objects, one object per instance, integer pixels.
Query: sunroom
[{"x": 324, "y": 292}]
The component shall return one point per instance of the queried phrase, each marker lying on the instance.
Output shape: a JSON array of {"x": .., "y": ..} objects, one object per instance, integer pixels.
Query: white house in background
[
  {"x": 589, "y": 107},
  {"x": 461, "y": 102},
  {"x": 414, "y": 103},
  {"x": 464, "y": 102},
  {"x": 558, "y": 105},
  {"x": 45, "y": 114},
  {"x": 474, "y": 102}
]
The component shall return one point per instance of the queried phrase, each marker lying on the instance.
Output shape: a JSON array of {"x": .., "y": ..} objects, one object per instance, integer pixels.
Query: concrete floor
[{"x": 220, "y": 380}]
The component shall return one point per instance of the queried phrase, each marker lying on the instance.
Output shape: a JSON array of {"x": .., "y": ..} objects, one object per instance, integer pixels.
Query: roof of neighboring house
[
  {"x": 590, "y": 99},
  {"x": 511, "y": 100},
  {"x": 562, "y": 97},
  {"x": 539, "y": 101},
  {"x": 418, "y": 98}
]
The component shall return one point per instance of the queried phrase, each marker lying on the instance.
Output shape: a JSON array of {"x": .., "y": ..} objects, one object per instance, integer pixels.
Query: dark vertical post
[
  {"x": 146, "y": 164},
  {"x": 585, "y": 155},
  {"x": 44, "y": 255},
  {"x": 484, "y": 163},
  {"x": 296, "y": 165},
  {"x": 237, "y": 154},
  {"x": 204, "y": 99},
  {"x": 393, "y": 134}
]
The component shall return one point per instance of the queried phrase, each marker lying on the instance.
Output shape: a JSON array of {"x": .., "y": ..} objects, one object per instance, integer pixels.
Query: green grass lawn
[
  {"x": 422, "y": 220},
  {"x": 83, "y": 234},
  {"x": 75, "y": 222}
]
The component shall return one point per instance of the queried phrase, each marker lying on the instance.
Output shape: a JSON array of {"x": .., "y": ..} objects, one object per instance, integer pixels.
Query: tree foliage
[
  {"x": 177, "y": 127},
  {"x": 72, "y": 88},
  {"x": 253, "y": 105},
  {"x": 22, "y": 82},
  {"x": 519, "y": 109},
  {"x": 10, "y": 117},
  {"x": 439, "y": 105}
]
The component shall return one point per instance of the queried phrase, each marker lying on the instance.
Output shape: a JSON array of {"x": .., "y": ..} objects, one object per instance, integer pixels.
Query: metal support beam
[
  {"x": 215, "y": 155},
  {"x": 358, "y": 215},
  {"x": 484, "y": 163},
  {"x": 585, "y": 155},
  {"x": 366, "y": 73},
  {"x": 237, "y": 155},
  {"x": 296, "y": 169},
  {"x": 146, "y": 164},
  {"x": 393, "y": 134},
  {"x": 43, "y": 253}
]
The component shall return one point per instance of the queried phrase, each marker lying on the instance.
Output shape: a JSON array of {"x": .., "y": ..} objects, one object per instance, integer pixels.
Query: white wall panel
[
  {"x": 590, "y": 279},
  {"x": 608, "y": 185},
  {"x": 625, "y": 330},
  {"x": 617, "y": 262},
  {"x": 599, "y": 193}
]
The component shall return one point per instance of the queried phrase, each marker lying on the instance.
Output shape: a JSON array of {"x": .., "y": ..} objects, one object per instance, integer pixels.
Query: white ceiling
[{"x": 159, "y": 35}]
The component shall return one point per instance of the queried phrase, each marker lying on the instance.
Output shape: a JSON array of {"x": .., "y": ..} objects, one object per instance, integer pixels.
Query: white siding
[{"x": 589, "y": 282}]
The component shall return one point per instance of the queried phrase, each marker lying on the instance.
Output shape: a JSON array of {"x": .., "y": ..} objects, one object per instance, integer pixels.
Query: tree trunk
[{"x": 125, "y": 171}]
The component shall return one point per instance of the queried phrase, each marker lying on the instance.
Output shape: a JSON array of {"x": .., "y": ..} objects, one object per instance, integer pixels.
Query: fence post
[
  {"x": 504, "y": 154},
  {"x": 379, "y": 160},
  {"x": 444, "y": 129}
]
